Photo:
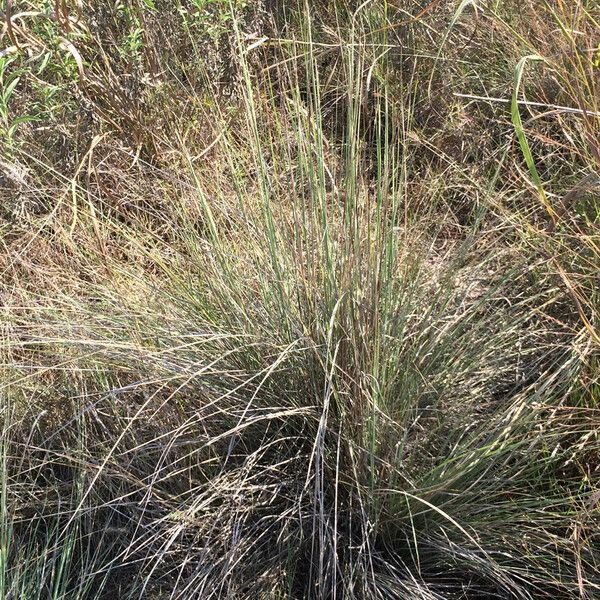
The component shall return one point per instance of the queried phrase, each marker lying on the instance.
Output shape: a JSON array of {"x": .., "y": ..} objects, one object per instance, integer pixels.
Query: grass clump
[{"x": 306, "y": 306}]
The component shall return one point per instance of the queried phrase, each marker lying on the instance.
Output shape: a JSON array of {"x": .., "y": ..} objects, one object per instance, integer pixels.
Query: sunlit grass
[{"x": 325, "y": 328}]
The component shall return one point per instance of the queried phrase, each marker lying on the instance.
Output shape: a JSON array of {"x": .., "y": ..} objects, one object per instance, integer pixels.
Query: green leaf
[
  {"x": 9, "y": 89},
  {"x": 518, "y": 125}
]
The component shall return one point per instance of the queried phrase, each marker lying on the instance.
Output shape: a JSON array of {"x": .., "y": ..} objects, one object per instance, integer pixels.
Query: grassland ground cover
[{"x": 299, "y": 300}]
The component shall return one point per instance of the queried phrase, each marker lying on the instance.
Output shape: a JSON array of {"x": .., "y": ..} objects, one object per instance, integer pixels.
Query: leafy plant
[{"x": 9, "y": 80}]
